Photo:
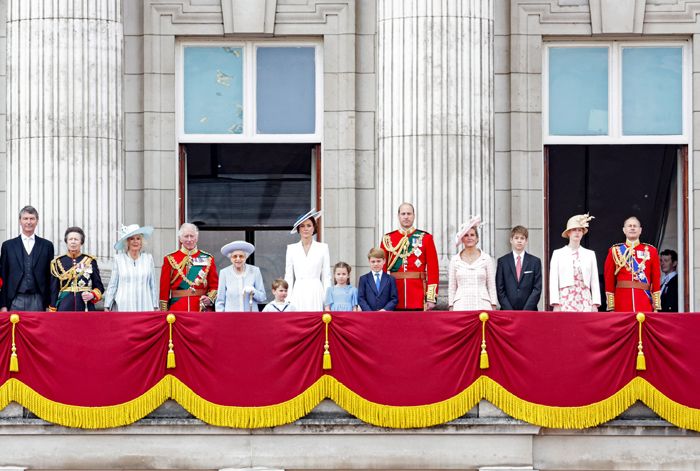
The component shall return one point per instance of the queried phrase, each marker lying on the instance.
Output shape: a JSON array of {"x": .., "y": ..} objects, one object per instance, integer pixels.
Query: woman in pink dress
[
  {"x": 472, "y": 273},
  {"x": 573, "y": 273}
]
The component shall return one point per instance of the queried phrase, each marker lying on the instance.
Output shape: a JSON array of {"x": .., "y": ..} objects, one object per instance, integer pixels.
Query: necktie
[
  {"x": 376, "y": 281},
  {"x": 518, "y": 267}
]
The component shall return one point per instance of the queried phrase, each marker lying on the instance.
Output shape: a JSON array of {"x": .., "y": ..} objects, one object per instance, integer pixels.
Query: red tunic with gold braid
[
  {"x": 184, "y": 278},
  {"x": 633, "y": 278},
  {"x": 412, "y": 260}
]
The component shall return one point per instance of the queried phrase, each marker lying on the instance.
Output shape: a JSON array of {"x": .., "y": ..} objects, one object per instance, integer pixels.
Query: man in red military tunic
[
  {"x": 188, "y": 279},
  {"x": 412, "y": 260},
  {"x": 632, "y": 273}
]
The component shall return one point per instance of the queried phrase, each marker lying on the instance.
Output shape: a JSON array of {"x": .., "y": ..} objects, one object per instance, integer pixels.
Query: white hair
[{"x": 185, "y": 226}]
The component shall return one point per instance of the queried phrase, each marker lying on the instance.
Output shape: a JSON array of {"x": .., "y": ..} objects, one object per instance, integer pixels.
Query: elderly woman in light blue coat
[{"x": 241, "y": 286}]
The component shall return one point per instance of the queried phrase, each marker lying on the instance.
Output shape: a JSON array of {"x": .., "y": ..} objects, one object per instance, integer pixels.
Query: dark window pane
[{"x": 248, "y": 185}]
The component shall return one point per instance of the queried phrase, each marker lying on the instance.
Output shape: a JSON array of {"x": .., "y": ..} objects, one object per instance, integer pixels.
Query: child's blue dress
[{"x": 341, "y": 298}]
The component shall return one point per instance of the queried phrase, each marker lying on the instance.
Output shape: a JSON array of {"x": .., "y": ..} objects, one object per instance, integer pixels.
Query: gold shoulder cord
[
  {"x": 621, "y": 261},
  {"x": 179, "y": 266},
  {"x": 401, "y": 250},
  {"x": 61, "y": 273}
]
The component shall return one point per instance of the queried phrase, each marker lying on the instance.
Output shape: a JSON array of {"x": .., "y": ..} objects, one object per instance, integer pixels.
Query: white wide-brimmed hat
[
  {"x": 311, "y": 214},
  {"x": 578, "y": 221},
  {"x": 242, "y": 245},
  {"x": 131, "y": 230},
  {"x": 473, "y": 222}
]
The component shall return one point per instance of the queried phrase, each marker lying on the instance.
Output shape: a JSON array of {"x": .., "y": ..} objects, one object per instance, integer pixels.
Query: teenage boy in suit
[
  {"x": 519, "y": 275},
  {"x": 377, "y": 289}
]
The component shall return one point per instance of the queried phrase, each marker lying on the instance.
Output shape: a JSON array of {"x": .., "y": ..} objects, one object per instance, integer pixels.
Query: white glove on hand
[{"x": 249, "y": 289}]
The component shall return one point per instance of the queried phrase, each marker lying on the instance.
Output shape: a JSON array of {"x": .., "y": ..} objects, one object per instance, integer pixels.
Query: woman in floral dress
[{"x": 573, "y": 273}]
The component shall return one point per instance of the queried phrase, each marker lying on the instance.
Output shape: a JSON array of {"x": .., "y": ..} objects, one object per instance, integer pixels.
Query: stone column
[
  {"x": 64, "y": 106},
  {"x": 435, "y": 115}
]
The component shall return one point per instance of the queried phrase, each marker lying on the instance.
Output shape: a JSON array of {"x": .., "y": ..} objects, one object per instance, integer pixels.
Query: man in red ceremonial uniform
[
  {"x": 412, "y": 260},
  {"x": 632, "y": 273},
  {"x": 188, "y": 279}
]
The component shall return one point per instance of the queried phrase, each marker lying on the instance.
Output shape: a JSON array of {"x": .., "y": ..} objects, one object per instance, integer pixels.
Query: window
[
  {"x": 584, "y": 69},
  {"x": 250, "y": 118},
  {"x": 250, "y": 92},
  {"x": 616, "y": 92}
]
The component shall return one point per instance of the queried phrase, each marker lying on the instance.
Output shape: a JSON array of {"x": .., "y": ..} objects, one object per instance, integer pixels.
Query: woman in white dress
[
  {"x": 573, "y": 272},
  {"x": 471, "y": 273},
  {"x": 132, "y": 286},
  {"x": 241, "y": 285},
  {"x": 308, "y": 266}
]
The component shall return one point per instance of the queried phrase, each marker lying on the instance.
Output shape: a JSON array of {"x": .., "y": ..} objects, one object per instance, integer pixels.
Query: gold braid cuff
[
  {"x": 610, "y": 300},
  {"x": 163, "y": 305},
  {"x": 656, "y": 298},
  {"x": 431, "y": 293}
]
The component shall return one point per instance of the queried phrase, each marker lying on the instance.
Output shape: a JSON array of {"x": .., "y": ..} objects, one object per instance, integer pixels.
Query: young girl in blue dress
[{"x": 341, "y": 296}]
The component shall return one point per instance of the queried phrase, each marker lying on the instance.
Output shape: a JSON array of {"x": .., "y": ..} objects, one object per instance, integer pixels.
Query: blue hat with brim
[
  {"x": 129, "y": 231},
  {"x": 242, "y": 245},
  {"x": 311, "y": 214}
]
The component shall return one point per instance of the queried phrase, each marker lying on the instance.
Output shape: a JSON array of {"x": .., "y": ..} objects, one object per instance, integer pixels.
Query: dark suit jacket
[
  {"x": 669, "y": 296},
  {"x": 11, "y": 263},
  {"x": 523, "y": 295},
  {"x": 370, "y": 300}
]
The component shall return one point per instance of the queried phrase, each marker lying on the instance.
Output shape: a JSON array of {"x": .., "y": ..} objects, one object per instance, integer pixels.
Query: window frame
[
  {"x": 615, "y": 111},
  {"x": 249, "y": 134}
]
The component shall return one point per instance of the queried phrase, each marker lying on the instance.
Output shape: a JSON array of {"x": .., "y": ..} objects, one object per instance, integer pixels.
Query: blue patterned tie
[{"x": 376, "y": 281}]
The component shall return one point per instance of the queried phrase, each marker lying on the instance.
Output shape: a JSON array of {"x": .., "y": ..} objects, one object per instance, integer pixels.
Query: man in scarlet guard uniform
[
  {"x": 632, "y": 273},
  {"x": 188, "y": 279},
  {"x": 412, "y": 260}
]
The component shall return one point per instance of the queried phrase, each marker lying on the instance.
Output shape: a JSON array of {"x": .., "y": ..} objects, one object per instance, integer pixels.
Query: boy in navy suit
[
  {"x": 519, "y": 275},
  {"x": 377, "y": 289}
]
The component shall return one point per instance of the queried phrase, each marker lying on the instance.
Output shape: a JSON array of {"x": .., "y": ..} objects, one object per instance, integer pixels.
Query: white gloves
[{"x": 249, "y": 289}]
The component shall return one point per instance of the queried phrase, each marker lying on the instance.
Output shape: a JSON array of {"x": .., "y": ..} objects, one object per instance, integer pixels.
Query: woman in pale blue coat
[
  {"x": 132, "y": 285},
  {"x": 241, "y": 285}
]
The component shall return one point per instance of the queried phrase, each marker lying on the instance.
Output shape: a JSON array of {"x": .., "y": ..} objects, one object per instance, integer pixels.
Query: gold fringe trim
[
  {"x": 250, "y": 417},
  {"x": 373, "y": 413},
  {"x": 560, "y": 417},
  {"x": 404, "y": 416},
  {"x": 679, "y": 415},
  {"x": 85, "y": 417}
]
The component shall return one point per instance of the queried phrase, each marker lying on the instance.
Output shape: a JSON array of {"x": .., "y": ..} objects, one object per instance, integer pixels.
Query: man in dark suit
[
  {"x": 519, "y": 275},
  {"x": 669, "y": 280},
  {"x": 24, "y": 267},
  {"x": 377, "y": 289}
]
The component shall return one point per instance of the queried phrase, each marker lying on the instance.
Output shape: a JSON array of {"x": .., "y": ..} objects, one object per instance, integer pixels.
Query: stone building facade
[{"x": 449, "y": 104}]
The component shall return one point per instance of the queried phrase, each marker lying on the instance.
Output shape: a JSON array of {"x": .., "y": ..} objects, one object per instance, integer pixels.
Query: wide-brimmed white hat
[
  {"x": 131, "y": 230},
  {"x": 474, "y": 221},
  {"x": 311, "y": 214},
  {"x": 578, "y": 221},
  {"x": 242, "y": 245}
]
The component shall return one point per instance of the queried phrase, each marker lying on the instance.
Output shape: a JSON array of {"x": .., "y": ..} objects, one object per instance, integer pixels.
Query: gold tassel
[
  {"x": 327, "y": 365},
  {"x": 483, "y": 357},
  {"x": 14, "y": 361},
  {"x": 171, "y": 353},
  {"x": 641, "y": 361}
]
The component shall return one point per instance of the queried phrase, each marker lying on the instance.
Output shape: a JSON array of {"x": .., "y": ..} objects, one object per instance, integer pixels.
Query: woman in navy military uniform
[{"x": 75, "y": 277}]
